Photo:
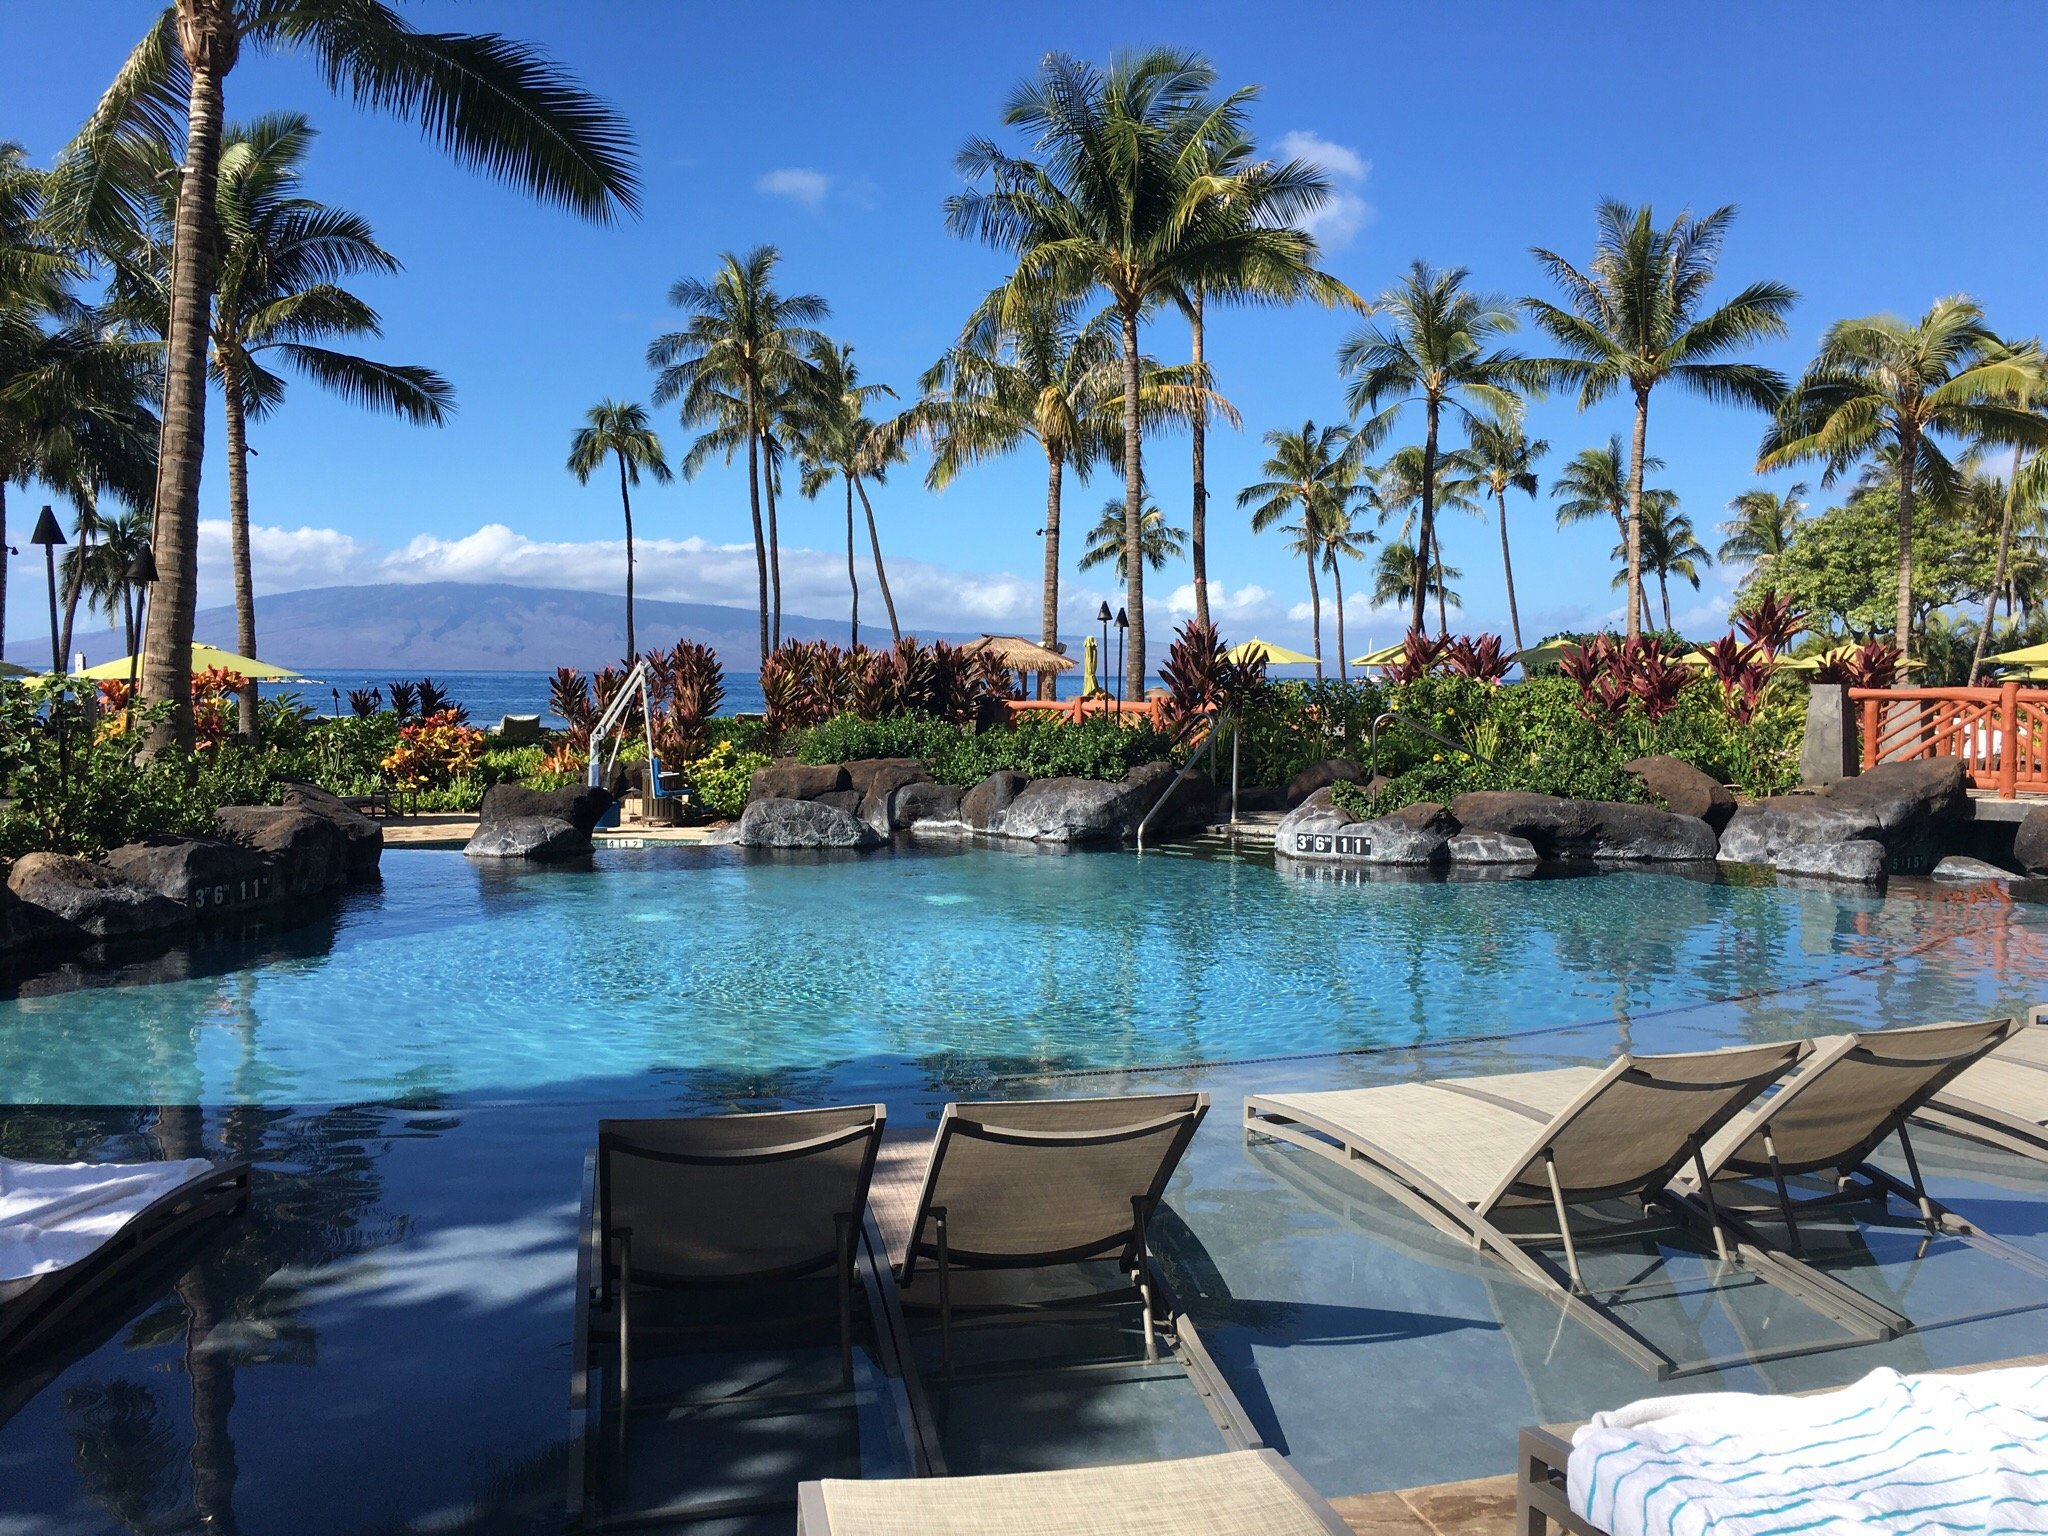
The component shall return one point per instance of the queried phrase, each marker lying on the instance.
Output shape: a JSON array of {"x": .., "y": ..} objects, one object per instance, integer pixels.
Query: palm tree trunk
[
  {"x": 1198, "y": 517},
  {"x": 208, "y": 1373},
  {"x": 1664, "y": 595},
  {"x": 852, "y": 577},
  {"x": 754, "y": 504},
  {"x": 72, "y": 589},
  {"x": 238, "y": 537},
  {"x": 881, "y": 576},
  {"x": 1634, "y": 539},
  {"x": 1436, "y": 568},
  {"x": 1337, "y": 576},
  {"x": 1425, "y": 528},
  {"x": 1134, "y": 514},
  {"x": 2019, "y": 455},
  {"x": 206, "y": 36},
  {"x": 1049, "y": 604},
  {"x": 1507, "y": 567},
  {"x": 626, "y": 501},
  {"x": 1909, "y": 450},
  {"x": 1315, "y": 613},
  {"x": 3, "y": 571},
  {"x": 769, "y": 478}
]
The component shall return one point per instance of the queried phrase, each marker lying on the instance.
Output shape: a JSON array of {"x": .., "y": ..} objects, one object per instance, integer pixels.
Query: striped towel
[{"x": 1900, "y": 1454}]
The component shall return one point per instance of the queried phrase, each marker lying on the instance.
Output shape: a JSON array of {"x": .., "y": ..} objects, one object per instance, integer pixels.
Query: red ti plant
[
  {"x": 1419, "y": 656},
  {"x": 1873, "y": 664},
  {"x": 1477, "y": 656},
  {"x": 1612, "y": 675},
  {"x": 1201, "y": 679},
  {"x": 1654, "y": 677},
  {"x": 1770, "y": 622},
  {"x": 1742, "y": 668}
]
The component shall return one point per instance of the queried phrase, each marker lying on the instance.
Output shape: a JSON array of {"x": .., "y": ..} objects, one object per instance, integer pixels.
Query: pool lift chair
[{"x": 614, "y": 724}]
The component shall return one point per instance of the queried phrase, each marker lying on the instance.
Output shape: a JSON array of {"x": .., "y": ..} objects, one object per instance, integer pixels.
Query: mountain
[{"x": 461, "y": 626}]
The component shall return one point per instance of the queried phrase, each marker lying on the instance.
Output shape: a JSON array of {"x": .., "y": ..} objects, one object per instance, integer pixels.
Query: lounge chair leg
[
  {"x": 1699, "y": 1163},
  {"x": 1564, "y": 1225},
  {"x": 625, "y": 1240},
  {"x": 945, "y": 1291},
  {"x": 845, "y": 1224},
  {"x": 1927, "y": 1216},
  {"x": 1784, "y": 1197},
  {"x": 1140, "y": 1275}
]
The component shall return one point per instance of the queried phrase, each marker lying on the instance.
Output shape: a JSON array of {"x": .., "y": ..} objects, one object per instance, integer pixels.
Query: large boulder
[
  {"x": 1317, "y": 832},
  {"x": 984, "y": 804},
  {"x": 1684, "y": 789},
  {"x": 545, "y": 838},
  {"x": 306, "y": 853},
  {"x": 1604, "y": 830},
  {"x": 1191, "y": 805},
  {"x": 1960, "y": 869},
  {"x": 1331, "y": 770},
  {"x": 24, "y": 925},
  {"x": 364, "y": 837},
  {"x": 788, "y": 779},
  {"x": 1067, "y": 811},
  {"x": 872, "y": 774},
  {"x": 925, "y": 805},
  {"x": 1905, "y": 799},
  {"x": 847, "y": 800},
  {"x": 1757, "y": 832},
  {"x": 1856, "y": 861},
  {"x": 582, "y": 806},
  {"x": 90, "y": 900},
  {"x": 1491, "y": 848},
  {"x": 779, "y": 823},
  {"x": 204, "y": 875},
  {"x": 2030, "y": 842},
  {"x": 1425, "y": 816}
]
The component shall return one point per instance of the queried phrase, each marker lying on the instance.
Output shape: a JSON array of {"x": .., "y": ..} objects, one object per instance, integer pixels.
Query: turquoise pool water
[{"x": 734, "y": 973}]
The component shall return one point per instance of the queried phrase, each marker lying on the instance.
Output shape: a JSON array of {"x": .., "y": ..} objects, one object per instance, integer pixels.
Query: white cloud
[
  {"x": 1337, "y": 223},
  {"x": 797, "y": 183},
  {"x": 1247, "y": 602}
]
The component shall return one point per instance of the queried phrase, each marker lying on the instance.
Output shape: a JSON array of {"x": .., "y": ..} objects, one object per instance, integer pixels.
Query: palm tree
[
  {"x": 1505, "y": 459},
  {"x": 1668, "y": 547},
  {"x": 1637, "y": 318},
  {"x": 619, "y": 430},
  {"x": 1105, "y": 543},
  {"x": 2023, "y": 498},
  {"x": 1307, "y": 473},
  {"x": 1394, "y": 577},
  {"x": 98, "y": 571},
  {"x": 1397, "y": 491},
  {"x": 1881, "y": 381},
  {"x": 494, "y": 103},
  {"x": 1122, "y": 200},
  {"x": 734, "y": 367},
  {"x": 835, "y": 437},
  {"x": 1762, "y": 527},
  {"x": 1341, "y": 540},
  {"x": 1433, "y": 348},
  {"x": 1595, "y": 484}
]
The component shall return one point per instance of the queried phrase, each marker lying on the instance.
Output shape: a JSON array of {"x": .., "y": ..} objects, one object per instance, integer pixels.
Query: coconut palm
[
  {"x": 1881, "y": 381},
  {"x": 1105, "y": 542},
  {"x": 1636, "y": 318},
  {"x": 1308, "y": 473},
  {"x": 495, "y": 104},
  {"x": 1396, "y": 494},
  {"x": 1342, "y": 539},
  {"x": 735, "y": 368},
  {"x": 1122, "y": 199},
  {"x": 1595, "y": 484},
  {"x": 1762, "y": 527},
  {"x": 1504, "y": 458},
  {"x": 2023, "y": 506},
  {"x": 836, "y": 437},
  {"x": 1432, "y": 346},
  {"x": 1668, "y": 547},
  {"x": 1394, "y": 577},
  {"x": 619, "y": 430},
  {"x": 98, "y": 571}
]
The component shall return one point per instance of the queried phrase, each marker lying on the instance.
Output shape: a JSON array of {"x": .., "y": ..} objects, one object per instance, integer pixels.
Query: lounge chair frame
[
  {"x": 1541, "y": 1459},
  {"x": 1960, "y": 1115},
  {"x": 30, "y": 1314}
]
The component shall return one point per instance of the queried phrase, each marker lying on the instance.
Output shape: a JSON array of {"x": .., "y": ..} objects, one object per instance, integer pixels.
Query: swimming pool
[{"x": 383, "y": 1342}]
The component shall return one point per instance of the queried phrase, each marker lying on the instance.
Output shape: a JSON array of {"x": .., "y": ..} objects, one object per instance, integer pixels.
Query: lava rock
[
  {"x": 1858, "y": 861},
  {"x": 2030, "y": 842},
  {"x": 1757, "y": 832},
  {"x": 204, "y": 875},
  {"x": 1905, "y": 798},
  {"x": 1425, "y": 816},
  {"x": 306, "y": 853},
  {"x": 1604, "y": 830},
  {"x": 1684, "y": 790},
  {"x": 847, "y": 800},
  {"x": 91, "y": 900},
  {"x": 984, "y": 804},
  {"x": 1331, "y": 770},
  {"x": 788, "y": 779},
  {"x": 1192, "y": 804},
  {"x": 872, "y": 774},
  {"x": 1067, "y": 811},
  {"x": 925, "y": 805},
  {"x": 1316, "y": 831},
  {"x": 1262, "y": 798},
  {"x": 581, "y": 805},
  {"x": 24, "y": 925},
  {"x": 1491, "y": 848},
  {"x": 364, "y": 837},
  {"x": 780, "y": 823},
  {"x": 544, "y": 838},
  {"x": 1958, "y": 867}
]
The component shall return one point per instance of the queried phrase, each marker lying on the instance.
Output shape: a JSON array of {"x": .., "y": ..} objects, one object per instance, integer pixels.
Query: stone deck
[{"x": 1484, "y": 1506}]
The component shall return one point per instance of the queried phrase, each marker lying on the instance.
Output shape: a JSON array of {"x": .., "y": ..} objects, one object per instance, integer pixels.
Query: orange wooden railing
[
  {"x": 2001, "y": 734},
  {"x": 1147, "y": 711}
]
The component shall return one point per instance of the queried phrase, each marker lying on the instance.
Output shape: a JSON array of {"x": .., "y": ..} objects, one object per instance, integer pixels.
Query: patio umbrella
[
  {"x": 1089, "y": 684},
  {"x": 1820, "y": 659},
  {"x": 1272, "y": 655},
  {"x": 204, "y": 659},
  {"x": 1547, "y": 654},
  {"x": 2025, "y": 656},
  {"x": 1385, "y": 656},
  {"x": 1021, "y": 655}
]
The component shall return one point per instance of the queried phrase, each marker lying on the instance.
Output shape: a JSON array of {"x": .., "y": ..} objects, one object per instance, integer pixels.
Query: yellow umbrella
[
  {"x": 1547, "y": 654},
  {"x": 1272, "y": 655},
  {"x": 1820, "y": 659},
  {"x": 204, "y": 659},
  {"x": 2025, "y": 656},
  {"x": 1385, "y": 656},
  {"x": 1088, "y": 664}
]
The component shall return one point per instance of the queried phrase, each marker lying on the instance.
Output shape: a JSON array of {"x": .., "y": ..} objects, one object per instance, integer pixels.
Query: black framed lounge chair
[
  {"x": 1030, "y": 1210},
  {"x": 747, "y": 1205},
  {"x": 1233, "y": 1493},
  {"x": 71, "y": 1231},
  {"x": 1505, "y": 1161},
  {"x": 2001, "y": 1101}
]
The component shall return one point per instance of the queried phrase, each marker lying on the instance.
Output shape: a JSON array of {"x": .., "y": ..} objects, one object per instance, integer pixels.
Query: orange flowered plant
[
  {"x": 213, "y": 706},
  {"x": 434, "y": 750}
]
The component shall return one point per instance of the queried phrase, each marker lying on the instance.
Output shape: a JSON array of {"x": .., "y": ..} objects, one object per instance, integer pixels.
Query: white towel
[
  {"x": 52, "y": 1215},
  {"x": 1908, "y": 1455}
]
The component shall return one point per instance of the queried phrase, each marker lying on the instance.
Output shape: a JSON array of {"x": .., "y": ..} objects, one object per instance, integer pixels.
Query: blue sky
[{"x": 1877, "y": 164}]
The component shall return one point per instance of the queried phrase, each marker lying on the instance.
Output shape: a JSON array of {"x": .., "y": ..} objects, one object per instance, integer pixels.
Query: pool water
[{"x": 382, "y": 1343}]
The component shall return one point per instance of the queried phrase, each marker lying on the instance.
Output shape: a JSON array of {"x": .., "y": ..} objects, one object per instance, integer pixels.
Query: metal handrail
[
  {"x": 1421, "y": 729},
  {"x": 1208, "y": 749}
]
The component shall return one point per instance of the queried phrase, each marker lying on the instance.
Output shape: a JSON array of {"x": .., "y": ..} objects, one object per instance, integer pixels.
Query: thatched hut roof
[{"x": 1021, "y": 655}]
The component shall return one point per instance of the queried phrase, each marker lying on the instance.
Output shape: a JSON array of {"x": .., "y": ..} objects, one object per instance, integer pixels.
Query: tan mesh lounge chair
[
  {"x": 1503, "y": 1161},
  {"x": 1235, "y": 1493},
  {"x": 68, "y": 1231},
  {"x": 2002, "y": 1100},
  {"x": 989, "y": 1222}
]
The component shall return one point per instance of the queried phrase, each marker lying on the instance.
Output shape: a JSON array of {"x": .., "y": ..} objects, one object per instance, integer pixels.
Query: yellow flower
[{"x": 1438, "y": 758}]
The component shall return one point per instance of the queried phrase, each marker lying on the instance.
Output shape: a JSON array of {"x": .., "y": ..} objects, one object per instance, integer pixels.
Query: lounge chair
[
  {"x": 1014, "y": 1209},
  {"x": 2002, "y": 1100},
  {"x": 1234, "y": 1493},
  {"x": 70, "y": 1230},
  {"x": 1503, "y": 1161},
  {"x": 735, "y": 1203}
]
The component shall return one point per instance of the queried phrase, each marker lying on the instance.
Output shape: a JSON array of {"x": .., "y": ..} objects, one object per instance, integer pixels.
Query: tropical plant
[
  {"x": 1666, "y": 547},
  {"x": 1882, "y": 381},
  {"x": 1310, "y": 474},
  {"x": 1160, "y": 541},
  {"x": 1873, "y": 664},
  {"x": 2024, "y": 500},
  {"x": 1395, "y": 492},
  {"x": 828, "y": 416},
  {"x": 1768, "y": 620},
  {"x": 1203, "y": 683},
  {"x": 96, "y": 570},
  {"x": 1504, "y": 458},
  {"x": 1434, "y": 347},
  {"x": 1394, "y": 581},
  {"x": 734, "y": 367},
  {"x": 619, "y": 430},
  {"x": 1125, "y": 198},
  {"x": 1761, "y": 529},
  {"x": 1341, "y": 539},
  {"x": 1596, "y": 484},
  {"x": 496, "y": 104},
  {"x": 1637, "y": 318}
]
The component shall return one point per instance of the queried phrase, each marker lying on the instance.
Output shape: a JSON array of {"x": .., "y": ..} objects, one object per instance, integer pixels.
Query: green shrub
[
  {"x": 1038, "y": 746},
  {"x": 1292, "y": 724},
  {"x": 719, "y": 780}
]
